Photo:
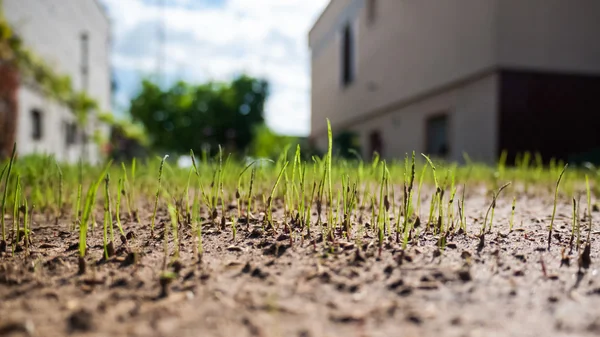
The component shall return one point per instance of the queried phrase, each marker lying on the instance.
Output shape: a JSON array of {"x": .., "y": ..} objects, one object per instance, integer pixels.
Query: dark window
[
  {"x": 375, "y": 142},
  {"x": 70, "y": 133},
  {"x": 36, "y": 125},
  {"x": 437, "y": 136},
  {"x": 347, "y": 55},
  {"x": 371, "y": 11}
]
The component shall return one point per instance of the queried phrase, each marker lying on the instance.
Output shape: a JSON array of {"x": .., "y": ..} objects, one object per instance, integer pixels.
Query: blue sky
[{"x": 216, "y": 39}]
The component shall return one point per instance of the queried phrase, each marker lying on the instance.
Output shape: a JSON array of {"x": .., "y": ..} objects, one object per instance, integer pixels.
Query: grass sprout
[
  {"x": 5, "y": 194},
  {"x": 589, "y": 207},
  {"x": 158, "y": 189},
  {"x": 512, "y": 214},
  {"x": 272, "y": 195},
  {"x": 554, "y": 205},
  {"x": 87, "y": 213},
  {"x": 492, "y": 207},
  {"x": 108, "y": 226}
]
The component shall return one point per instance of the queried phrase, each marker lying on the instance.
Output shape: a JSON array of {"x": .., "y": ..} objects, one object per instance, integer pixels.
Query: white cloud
[{"x": 262, "y": 37}]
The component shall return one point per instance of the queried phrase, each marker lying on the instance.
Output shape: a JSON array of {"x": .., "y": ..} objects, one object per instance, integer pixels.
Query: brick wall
[{"x": 9, "y": 83}]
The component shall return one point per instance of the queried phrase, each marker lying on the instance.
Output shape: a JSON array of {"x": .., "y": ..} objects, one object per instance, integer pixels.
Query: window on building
[
  {"x": 437, "y": 136},
  {"x": 371, "y": 11},
  {"x": 36, "y": 124},
  {"x": 348, "y": 57},
  {"x": 70, "y": 133}
]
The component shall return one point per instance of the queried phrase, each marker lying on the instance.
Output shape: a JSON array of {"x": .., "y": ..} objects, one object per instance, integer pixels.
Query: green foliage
[
  {"x": 125, "y": 127},
  {"x": 347, "y": 144},
  {"x": 205, "y": 115},
  {"x": 268, "y": 144}
]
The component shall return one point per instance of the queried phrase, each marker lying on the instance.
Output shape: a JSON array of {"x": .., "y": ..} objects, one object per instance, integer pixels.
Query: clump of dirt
[{"x": 80, "y": 321}]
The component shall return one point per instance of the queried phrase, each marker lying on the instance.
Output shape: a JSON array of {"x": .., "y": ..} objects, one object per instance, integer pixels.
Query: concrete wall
[
  {"x": 413, "y": 46},
  {"x": 473, "y": 116},
  {"x": 52, "y": 30},
  {"x": 549, "y": 35}
]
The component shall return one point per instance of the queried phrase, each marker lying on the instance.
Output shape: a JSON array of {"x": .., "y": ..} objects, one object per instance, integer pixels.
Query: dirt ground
[{"x": 260, "y": 285}]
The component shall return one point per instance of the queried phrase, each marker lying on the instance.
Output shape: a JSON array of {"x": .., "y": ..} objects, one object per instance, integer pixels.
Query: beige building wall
[
  {"x": 421, "y": 57},
  {"x": 552, "y": 35},
  {"x": 471, "y": 110},
  {"x": 401, "y": 54}
]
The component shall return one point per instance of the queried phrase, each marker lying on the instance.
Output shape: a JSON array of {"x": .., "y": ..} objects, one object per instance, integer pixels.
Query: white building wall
[
  {"x": 52, "y": 30},
  {"x": 54, "y": 118}
]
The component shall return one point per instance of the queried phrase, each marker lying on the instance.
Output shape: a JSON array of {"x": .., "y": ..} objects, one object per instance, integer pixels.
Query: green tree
[
  {"x": 186, "y": 116},
  {"x": 268, "y": 144}
]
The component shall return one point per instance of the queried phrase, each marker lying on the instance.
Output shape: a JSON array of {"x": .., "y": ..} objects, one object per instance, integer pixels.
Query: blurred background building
[
  {"x": 73, "y": 38},
  {"x": 446, "y": 78},
  {"x": 459, "y": 76}
]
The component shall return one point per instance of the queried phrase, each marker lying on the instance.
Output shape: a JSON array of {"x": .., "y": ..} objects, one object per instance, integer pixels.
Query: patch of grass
[{"x": 339, "y": 204}]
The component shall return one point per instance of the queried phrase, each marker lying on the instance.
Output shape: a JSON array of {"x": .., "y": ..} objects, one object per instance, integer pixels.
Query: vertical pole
[{"x": 84, "y": 50}]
